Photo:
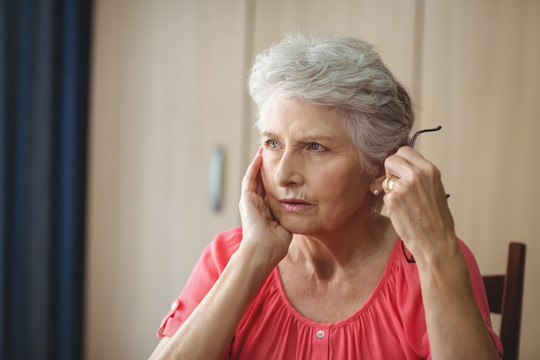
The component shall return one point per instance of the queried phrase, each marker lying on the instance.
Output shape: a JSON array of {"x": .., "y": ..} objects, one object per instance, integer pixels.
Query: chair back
[{"x": 505, "y": 293}]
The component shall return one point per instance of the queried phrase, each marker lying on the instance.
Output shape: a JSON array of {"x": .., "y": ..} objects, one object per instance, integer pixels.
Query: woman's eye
[
  {"x": 316, "y": 147},
  {"x": 272, "y": 144}
]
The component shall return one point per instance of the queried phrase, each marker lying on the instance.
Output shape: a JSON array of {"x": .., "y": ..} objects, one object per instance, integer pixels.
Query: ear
[{"x": 377, "y": 180}]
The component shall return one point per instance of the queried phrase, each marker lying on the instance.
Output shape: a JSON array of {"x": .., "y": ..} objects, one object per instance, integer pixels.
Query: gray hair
[{"x": 343, "y": 73}]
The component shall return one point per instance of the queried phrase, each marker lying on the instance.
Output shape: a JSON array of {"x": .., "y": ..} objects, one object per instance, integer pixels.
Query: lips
[{"x": 294, "y": 204}]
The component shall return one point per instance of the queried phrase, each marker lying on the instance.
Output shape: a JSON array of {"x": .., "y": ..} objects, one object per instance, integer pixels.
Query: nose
[{"x": 289, "y": 170}]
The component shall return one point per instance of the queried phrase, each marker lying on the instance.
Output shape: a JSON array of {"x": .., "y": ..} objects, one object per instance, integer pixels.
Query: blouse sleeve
[
  {"x": 480, "y": 294},
  {"x": 205, "y": 273}
]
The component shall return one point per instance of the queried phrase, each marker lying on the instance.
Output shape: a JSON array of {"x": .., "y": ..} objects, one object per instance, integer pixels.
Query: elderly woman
[{"x": 315, "y": 271}]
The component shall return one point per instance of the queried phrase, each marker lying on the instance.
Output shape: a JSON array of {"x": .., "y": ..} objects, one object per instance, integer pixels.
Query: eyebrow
[{"x": 304, "y": 138}]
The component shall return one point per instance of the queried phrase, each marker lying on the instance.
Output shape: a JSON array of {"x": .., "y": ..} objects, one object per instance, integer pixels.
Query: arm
[
  {"x": 455, "y": 325},
  {"x": 419, "y": 212},
  {"x": 208, "y": 331}
]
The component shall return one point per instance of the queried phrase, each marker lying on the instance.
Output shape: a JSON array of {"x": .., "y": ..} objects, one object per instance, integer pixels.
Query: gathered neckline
[{"x": 307, "y": 321}]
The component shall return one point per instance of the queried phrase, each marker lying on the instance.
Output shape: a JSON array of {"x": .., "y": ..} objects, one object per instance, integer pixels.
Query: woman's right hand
[
  {"x": 209, "y": 330},
  {"x": 262, "y": 233}
]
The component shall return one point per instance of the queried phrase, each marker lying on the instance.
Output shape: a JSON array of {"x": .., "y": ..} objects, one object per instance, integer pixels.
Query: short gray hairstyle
[{"x": 340, "y": 72}]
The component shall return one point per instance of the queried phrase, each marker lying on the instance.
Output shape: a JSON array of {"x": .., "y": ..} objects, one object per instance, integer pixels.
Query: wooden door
[{"x": 167, "y": 89}]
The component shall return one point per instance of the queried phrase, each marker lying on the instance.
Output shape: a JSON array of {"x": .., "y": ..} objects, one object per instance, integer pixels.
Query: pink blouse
[{"x": 390, "y": 325}]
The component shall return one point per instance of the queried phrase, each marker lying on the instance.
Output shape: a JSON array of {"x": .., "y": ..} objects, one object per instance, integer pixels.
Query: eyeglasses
[
  {"x": 411, "y": 144},
  {"x": 413, "y": 139}
]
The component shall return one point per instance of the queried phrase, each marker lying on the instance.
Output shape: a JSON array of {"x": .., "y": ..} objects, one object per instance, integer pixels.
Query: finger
[
  {"x": 413, "y": 156},
  {"x": 419, "y": 165},
  {"x": 396, "y": 165},
  {"x": 249, "y": 182},
  {"x": 407, "y": 162},
  {"x": 259, "y": 183},
  {"x": 259, "y": 189}
]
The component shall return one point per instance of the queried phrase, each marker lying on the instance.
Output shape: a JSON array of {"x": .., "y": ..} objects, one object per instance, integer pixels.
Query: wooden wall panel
[
  {"x": 167, "y": 87},
  {"x": 481, "y": 82}
]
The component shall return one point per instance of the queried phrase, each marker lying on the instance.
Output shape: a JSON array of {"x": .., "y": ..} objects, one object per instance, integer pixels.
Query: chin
[{"x": 298, "y": 226}]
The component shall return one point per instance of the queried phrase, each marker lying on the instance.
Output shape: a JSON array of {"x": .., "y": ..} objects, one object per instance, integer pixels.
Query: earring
[{"x": 376, "y": 192}]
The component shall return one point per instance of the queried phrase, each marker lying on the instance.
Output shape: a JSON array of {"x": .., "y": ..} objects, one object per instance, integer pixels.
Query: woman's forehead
[{"x": 289, "y": 115}]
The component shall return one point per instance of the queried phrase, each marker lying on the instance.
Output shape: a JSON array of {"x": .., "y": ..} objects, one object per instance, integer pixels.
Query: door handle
[{"x": 215, "y": 178}]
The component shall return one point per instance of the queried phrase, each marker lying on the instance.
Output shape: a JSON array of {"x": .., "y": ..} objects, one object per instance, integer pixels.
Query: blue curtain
[{"x": 44, "y": 71}]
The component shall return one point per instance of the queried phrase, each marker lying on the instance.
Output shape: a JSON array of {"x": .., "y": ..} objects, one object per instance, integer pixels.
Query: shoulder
[
  {"x": 207, "y": 270},
  {"x": 407, "y": 280},
  {"x": 474, "y": 272},
  {"x": 222, "y": 247},
  {"x": 467, "y": 253},
  {"x": 227, "y": 240},
  {"x": 472, "y": 265}
]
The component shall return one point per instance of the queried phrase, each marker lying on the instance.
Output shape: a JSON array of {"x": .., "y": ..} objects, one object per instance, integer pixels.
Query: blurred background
[{"x": 111, "y": 112}]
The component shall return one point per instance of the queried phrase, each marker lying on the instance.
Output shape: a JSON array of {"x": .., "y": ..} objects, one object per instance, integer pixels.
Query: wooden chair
[{"x": 504, "y": 293}]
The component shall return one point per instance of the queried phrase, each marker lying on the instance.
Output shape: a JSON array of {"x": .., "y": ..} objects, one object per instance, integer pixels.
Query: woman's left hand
[
  {"x": 417, "y": 204},
  {"x": 419, "y": 212}
]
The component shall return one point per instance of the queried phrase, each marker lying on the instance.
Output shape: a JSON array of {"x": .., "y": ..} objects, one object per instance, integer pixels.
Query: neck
[{"x": 348, "y": 247}]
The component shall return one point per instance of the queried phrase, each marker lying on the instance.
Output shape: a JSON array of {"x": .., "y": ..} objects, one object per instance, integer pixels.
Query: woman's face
[{"x": 312, "y": 172}]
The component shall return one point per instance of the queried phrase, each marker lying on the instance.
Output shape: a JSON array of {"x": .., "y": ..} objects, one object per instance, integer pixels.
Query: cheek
[
  {"x": 346, "y": 188},
  {"x": 342, "y": 178}
]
